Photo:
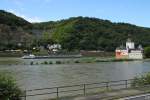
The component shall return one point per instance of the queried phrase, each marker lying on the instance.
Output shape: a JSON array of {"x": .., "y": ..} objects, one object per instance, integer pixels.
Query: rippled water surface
[{"x": 41, "y": 76}]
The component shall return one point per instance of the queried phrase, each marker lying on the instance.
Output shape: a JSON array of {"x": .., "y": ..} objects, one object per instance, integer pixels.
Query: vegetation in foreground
[
  {"x": 142, "y": 80},
  {"x": 8, "y": 88}
]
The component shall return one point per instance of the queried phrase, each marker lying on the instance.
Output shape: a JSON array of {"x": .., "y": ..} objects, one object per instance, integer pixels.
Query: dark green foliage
[
  {"x": 44, "y": 25},
  {"x": 119, "y": 60},
  {"x": 8, "y": 88},
  {"x": 58, "y": 62},
  {"x": 13, "y": 20},
  {"x": 45, "y": 62},
  {"x": 77, "y": 61},
  {"x": 84, "y": 33},
  {"x": 31, "y": 63},
  {"x": 14, "y": 31},
  {"x": 147, "y": 52},
  {"x": 50, "y": 62}
]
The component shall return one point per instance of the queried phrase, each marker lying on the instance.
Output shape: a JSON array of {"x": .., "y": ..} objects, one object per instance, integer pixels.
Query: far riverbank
[
  {"x": 63, "y": 61},
  {"x": 45, "y": 53}
]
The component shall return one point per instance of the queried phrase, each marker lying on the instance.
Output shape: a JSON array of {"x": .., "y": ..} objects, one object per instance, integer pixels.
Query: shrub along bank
[
  {"x": 142, "y": 80},
  {"x": 8, "y": 88}
]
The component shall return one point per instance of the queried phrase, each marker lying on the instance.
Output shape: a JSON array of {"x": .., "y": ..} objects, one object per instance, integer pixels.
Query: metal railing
[{"x": 74, "y": 90}]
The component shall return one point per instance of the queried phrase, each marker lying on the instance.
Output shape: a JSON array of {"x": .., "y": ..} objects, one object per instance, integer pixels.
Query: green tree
[
  {"x": 46, "y": 38},
  {"x": 147, "y": 52}
]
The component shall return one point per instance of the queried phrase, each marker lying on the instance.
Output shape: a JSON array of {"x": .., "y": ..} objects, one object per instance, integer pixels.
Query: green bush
[
  {"x": 77, "y": 61},
  {"x": 58, "y": 62},
  {"x": 50, "y": 62},
  {"x": 141, "y": 81},
  {"x": 45, "y": 62},
  {"x": 8, "y": 88},
  {"x": 31, "y": 63},
  {"x": 147, "y": 52}
]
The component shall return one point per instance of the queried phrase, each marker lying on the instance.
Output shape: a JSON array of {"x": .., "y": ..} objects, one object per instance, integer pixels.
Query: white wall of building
[
  {"x": 130, "y": 45},
  {"x": 136, "y": 54}
]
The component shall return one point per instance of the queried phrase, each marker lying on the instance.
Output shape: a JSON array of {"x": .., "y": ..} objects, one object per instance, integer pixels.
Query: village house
[{"x": 54, "y": 48}]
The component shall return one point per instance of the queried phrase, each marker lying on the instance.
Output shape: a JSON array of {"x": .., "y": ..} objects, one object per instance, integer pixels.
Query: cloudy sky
[{"x": 130, "y": 11}]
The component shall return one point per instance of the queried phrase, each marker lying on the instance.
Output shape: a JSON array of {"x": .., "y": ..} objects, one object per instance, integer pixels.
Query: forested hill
[
  {"x": 12, "y": 20},
  {"x": 76, "y": 33},
  {"x": 84, "y": 33},
  {"x": 13, "y": 30}
]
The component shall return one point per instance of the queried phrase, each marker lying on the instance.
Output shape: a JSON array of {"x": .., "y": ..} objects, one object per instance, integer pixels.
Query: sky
[{"x": 128, "y": 11}]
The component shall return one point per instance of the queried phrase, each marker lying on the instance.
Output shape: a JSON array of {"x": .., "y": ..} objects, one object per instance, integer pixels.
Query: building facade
[
  {"x": 129, "y": 51},
  {"x": 54, "y": 48}
]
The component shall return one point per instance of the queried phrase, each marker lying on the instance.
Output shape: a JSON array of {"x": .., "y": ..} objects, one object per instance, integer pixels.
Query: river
[{"x": 43, "y": 76}]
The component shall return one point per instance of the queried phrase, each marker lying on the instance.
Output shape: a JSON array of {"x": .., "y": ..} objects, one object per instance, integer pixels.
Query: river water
[
  {"x": 40, "y": 76},
  {"x": 43, "y": 76}
]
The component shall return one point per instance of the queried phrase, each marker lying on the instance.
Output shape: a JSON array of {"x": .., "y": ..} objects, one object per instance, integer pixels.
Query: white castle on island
[{"x": 129, "y": 52}]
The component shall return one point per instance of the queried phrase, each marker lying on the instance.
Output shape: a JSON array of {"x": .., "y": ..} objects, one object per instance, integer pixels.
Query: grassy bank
[
  {"x": 45, "y": 53},
  {"x": 11, "y": 54}
]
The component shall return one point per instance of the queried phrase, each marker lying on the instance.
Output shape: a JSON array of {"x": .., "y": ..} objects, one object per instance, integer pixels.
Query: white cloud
[
  {"x": 28, "y": 18},
  {"x": 33, "y": 19}
]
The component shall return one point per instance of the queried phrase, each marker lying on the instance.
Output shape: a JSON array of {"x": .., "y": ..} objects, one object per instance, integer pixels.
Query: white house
[{"x": 54, "y": 48}]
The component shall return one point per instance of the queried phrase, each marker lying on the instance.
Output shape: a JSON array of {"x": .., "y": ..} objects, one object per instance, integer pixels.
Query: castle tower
[{"x": 130, "y": 44}]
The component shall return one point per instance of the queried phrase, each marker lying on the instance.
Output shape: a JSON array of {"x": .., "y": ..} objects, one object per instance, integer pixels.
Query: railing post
[
  {"x": 84, "y": 89},
  {"x": 107, "y": 86},
  {"x": 57, "y": 94},
  {"x": 126, "y": 84},
  {"x": 25, "y": 93}
]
